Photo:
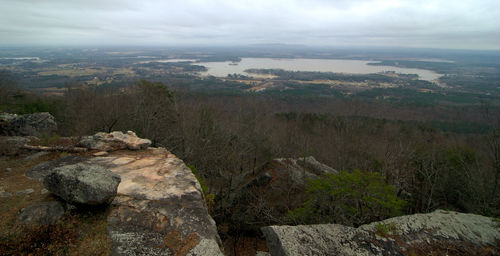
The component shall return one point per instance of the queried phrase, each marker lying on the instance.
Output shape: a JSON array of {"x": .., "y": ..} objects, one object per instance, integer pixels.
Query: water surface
[{"x": 222, "y": 69}]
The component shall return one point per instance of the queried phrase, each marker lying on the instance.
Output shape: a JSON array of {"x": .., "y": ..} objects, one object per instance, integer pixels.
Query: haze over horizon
[{"x": 426, "y": 24}]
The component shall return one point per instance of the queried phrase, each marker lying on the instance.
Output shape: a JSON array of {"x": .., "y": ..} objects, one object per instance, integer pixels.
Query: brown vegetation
[{"x": 226, "y": 137}]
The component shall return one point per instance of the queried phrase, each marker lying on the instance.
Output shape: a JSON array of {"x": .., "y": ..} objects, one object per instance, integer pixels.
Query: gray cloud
[{"x": 426, "y": 23}]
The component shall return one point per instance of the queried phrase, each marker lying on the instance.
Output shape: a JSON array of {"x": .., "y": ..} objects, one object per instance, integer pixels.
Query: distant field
[{"x": 76, "y": 72}]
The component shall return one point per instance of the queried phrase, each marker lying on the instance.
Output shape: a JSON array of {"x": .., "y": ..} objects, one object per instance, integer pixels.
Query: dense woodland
[{"x": 431, "y": 156}]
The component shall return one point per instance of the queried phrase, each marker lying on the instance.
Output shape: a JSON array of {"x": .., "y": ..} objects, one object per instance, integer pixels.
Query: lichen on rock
[
  {"x": 83, "y": 184},
  {"x": 438, "y": 231}
]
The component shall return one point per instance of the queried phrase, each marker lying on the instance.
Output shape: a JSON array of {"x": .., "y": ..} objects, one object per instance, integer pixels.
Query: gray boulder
[
  {"x": 43, "y": 213},
  {"x": 114, "y": 141},
  {"x": 435, "y": 233},
  {"x": 35, "y": 124},
  {"x": 40, "y": 171},
  {"x": 83, "y": 184}
]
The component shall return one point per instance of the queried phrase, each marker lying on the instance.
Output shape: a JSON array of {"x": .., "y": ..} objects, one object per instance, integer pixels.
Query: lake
[{"x": 222, "y": 69}]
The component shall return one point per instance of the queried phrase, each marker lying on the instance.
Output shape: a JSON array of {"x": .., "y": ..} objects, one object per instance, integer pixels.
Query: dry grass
[{"x": 79, "y": 232}]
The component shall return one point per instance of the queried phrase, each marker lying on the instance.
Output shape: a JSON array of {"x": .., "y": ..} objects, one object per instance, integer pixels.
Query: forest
[{"x": 418, "y": 158}]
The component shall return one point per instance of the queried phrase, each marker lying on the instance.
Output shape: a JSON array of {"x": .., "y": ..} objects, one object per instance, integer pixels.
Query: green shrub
[
  {"x": 350, "y": 198},
  {"x": 198, "y": 177},
  {"x": 209, "y": 198}
]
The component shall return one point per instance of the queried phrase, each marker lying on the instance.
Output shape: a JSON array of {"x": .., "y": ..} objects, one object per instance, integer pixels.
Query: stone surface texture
[
  {"x": 406, "y": 234},
  {"x": 39, "y": 171},
  {"x": 114, "y": 141},
  {"x": 43, "y": 213},
  {"x": 159, "y": 208},
  {"x": 83, "y": 184}
]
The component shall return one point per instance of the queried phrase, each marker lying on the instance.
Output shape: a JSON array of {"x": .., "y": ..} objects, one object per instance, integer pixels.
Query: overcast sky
[{"x": 470, "y": 24}]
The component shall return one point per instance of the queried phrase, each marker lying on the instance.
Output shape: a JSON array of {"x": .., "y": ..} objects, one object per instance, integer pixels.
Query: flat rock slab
[
  {"x": 438, "y": 231},
  {"x": 159, "y": 208}
]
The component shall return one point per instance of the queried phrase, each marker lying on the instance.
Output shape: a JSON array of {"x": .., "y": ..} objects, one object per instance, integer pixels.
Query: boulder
[
  {"x": 435, "y": 233},
  {"x": 83, "y": 184},
  {"x": 39, "y": 171},
  {"x": 12, "y": 145},
  {"x": 43, "y": 213},
  {"x": 36, "y": 124},
  {"x": 114, "y": 141},
  {"x": 300, "y": 169}
]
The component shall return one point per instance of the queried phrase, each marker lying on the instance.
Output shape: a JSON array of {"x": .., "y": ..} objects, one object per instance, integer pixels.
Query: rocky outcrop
[
  {"x": 6, "y": 118},
  {"x": 436, "y": 233},
  {"x": 278, "y": 186},
  {"x": 43, "y": 213},
  {"x": 304, "y": 166},
  {"x": 114, "y": 141},
  {"x": 159, "y": 208},
  {"x": 288, "y": 170},
  {"x": 36, "y": 124},
  {"x": 83, "y": 184}
]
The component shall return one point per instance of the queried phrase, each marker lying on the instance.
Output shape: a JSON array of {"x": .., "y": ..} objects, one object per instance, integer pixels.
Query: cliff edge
[{"x": 159, "y": 207}]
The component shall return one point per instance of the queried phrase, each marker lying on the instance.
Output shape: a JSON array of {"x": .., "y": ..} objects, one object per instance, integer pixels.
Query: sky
[{"x": 463, "y": 24}]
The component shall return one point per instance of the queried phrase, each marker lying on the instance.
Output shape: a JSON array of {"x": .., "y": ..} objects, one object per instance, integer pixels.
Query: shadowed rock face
[
  {"x": 114, "y": 141},
  {"x": 294, "y": 171},
  {"x": 36, "y": 124},
  {"x": 438, "y": 232},
  {"x": 159, "y": 208},
  {"x": 271, "y": 191}
]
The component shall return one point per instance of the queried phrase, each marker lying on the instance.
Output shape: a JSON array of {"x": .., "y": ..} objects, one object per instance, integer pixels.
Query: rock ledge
[{"x": 436, "y": 231}]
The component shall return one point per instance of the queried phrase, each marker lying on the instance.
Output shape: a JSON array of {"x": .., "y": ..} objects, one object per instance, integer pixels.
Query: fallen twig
[{"x": 55, "y": 149}]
